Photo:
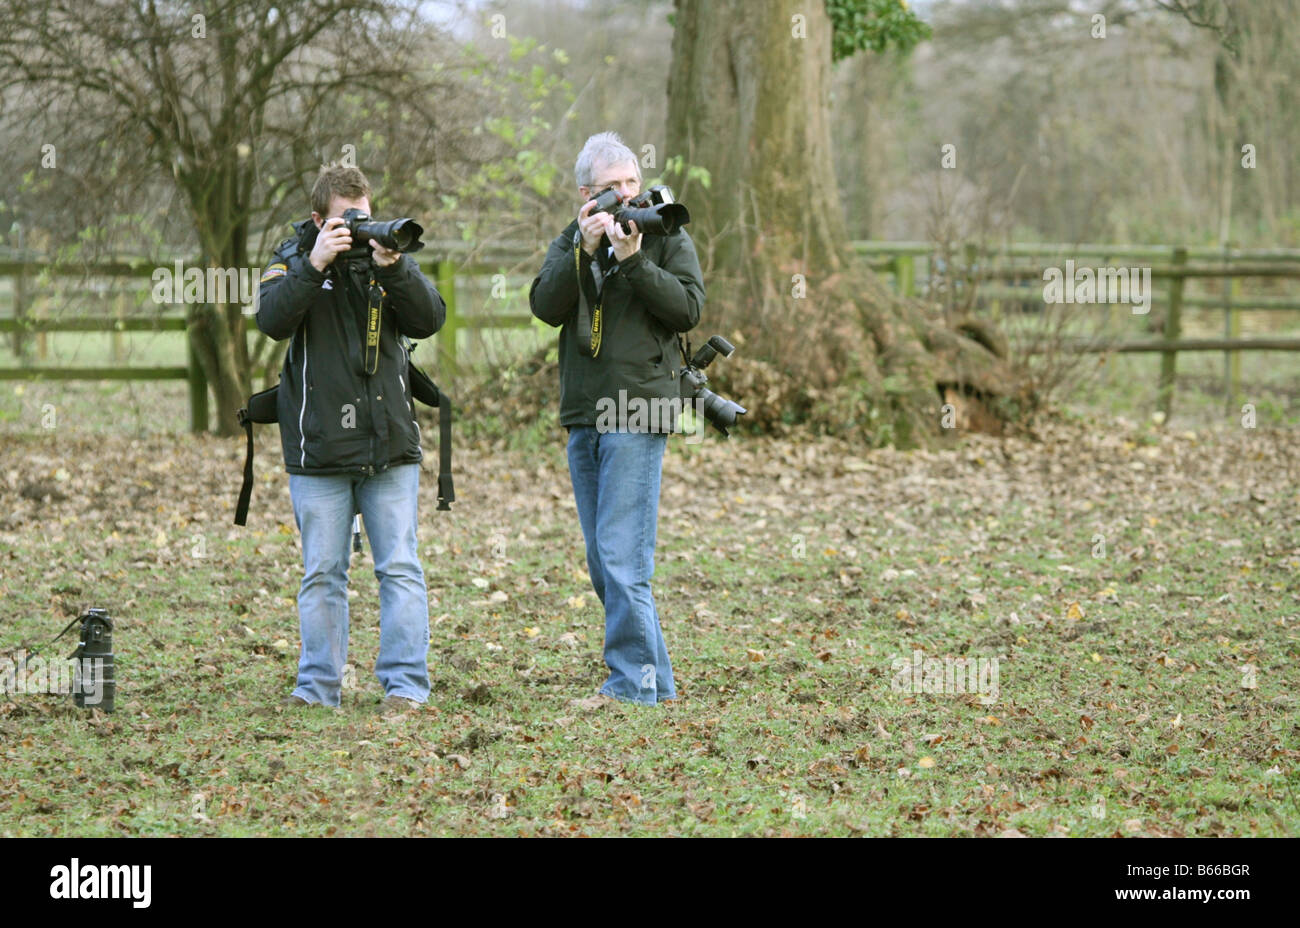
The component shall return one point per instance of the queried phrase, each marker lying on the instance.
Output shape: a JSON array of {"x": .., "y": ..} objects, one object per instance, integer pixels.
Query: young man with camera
[
  {"x": 621, "y": 298},
  {"x": 348, "y": 430}
]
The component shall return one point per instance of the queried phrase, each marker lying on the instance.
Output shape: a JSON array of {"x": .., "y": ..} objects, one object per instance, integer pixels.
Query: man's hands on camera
[
  {"x": 384, "y": 257},
  {"x": 333, "y": 240},
  {"x": 594, "y": 225},
  {"x": 626, "y": 244}
]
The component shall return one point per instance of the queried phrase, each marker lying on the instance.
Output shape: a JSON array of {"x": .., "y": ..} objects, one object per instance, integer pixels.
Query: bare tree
[{"x": 225, "y": 108}]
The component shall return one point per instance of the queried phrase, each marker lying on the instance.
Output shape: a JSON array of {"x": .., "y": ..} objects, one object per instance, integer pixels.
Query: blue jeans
[
  {"x": 323, "y": 508},
  {"x": 616, "y": 485}
]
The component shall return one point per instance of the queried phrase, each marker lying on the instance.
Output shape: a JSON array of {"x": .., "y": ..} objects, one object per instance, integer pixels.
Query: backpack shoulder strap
[
  {"x": 426, "y": 391},
  {"x": 262, "y": 406}
]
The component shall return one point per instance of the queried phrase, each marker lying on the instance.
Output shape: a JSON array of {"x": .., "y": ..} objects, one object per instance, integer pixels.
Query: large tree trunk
[
  {"x": 219, "y": 204},
  {"x": 215, "y": 342},
  {"x": 749, "y": 101}
]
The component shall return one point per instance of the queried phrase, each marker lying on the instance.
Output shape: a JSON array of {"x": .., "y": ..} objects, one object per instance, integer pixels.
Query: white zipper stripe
[
  {"x": 410, "y": 404},
  {"x": 302, "y": 439}
]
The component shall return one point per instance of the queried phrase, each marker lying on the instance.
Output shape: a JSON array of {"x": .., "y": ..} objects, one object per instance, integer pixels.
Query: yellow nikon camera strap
[
  {"x": 376, "y": 302},
  {"x": 591, "y": 348}
]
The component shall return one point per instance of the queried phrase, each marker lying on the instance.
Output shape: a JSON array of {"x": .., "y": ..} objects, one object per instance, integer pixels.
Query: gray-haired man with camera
[{"x": 621, "y": 296}]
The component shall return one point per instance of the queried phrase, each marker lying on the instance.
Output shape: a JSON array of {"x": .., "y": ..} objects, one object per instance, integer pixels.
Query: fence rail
[
  {"x": 1024, "y": 261},
  {"x": 504, "y": 261}
]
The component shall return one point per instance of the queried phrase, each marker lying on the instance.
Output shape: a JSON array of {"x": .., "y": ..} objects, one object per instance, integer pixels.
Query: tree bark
[
  {"x": 749, "y": 99},
  {"x": 218, "y": 202}
]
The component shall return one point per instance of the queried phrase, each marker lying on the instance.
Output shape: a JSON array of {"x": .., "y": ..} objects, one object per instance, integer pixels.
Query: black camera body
[
  {"x": 655, "y": 212},
  {"x": 720, "y": 413},
  {"x": 398, "y": 234},
  {"x": 95, "y": 661}
]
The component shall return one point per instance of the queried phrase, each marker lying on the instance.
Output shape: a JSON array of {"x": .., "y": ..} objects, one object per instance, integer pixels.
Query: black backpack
[{"x": 262, "y": 407}]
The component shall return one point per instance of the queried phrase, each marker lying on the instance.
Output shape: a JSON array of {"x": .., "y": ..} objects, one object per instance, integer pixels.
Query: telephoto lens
[
  {"x": 397, "y": 234},
  {"x": 720, "y": 412},
  {"x": 664, "y": 219},
  {"x": 654, "y": 212}
]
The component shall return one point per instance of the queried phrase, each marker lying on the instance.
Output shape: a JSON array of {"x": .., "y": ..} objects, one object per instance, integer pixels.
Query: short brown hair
[{"x": 336, "y": 181}]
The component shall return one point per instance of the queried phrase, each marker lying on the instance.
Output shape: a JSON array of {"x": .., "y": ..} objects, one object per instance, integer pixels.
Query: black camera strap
[
  {"x": 262, "y": 407},
  {"x": 446, "y": 490},
  {"x": 426, "y": 391},
  {"x": 246, "y": 488}
]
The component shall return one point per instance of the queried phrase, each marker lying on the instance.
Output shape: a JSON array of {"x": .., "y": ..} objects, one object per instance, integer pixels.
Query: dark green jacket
[{"x": 647, "y": 300}]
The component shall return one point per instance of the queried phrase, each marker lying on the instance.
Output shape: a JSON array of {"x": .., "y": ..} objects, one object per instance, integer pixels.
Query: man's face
[
  {"x": 337, "y": 207},
  {"x": 622, "y": 177}
]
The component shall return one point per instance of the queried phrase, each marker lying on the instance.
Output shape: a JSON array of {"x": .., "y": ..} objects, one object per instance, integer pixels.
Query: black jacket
[
  {"x": 334, "y": 417},
  {"x": 647, "y": 300}
]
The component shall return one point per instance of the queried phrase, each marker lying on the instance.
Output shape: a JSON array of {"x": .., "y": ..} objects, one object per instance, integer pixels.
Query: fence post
[
  {"x": 20, "y": 307},
  {"x": 1115, "y": 323},
  {"x": 198, "y": 387},
  {"x": 119, "y": 313},
  {"x": 450, "y": 329},
  {"x": 41, "y": 312},
  {"x": 971, "y": 253},
  {"x": 904, "y": 275},
  {"x": 1173, "y": 331},
  {"x": 995, "y": 304},
  {"x": 1231, "y": 329}
]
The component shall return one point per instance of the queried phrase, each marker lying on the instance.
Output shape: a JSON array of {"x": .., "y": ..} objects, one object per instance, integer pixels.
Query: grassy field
[
  {"x": 1136, "y": 586},
  {"x": 1128, "y": 590}
]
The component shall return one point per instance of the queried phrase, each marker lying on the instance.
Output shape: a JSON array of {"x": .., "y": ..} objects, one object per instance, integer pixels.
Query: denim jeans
[
  {"x": 323, "y": 507},
  {"x": 616, "y": 485}
]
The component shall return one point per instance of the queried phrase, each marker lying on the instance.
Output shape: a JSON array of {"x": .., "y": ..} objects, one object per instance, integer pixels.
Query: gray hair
[{"x": 601, "y": 150}]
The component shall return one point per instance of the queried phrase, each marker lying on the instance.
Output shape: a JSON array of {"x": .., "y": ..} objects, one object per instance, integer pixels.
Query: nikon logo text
[{"x": 86, "y": 881}]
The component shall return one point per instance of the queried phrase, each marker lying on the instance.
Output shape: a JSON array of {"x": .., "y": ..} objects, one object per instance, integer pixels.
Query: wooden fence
[
  {"x": 1173, "y": 264},
  {"x": 970, "y": 266},
  {"x": 24, "y": 326}
]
